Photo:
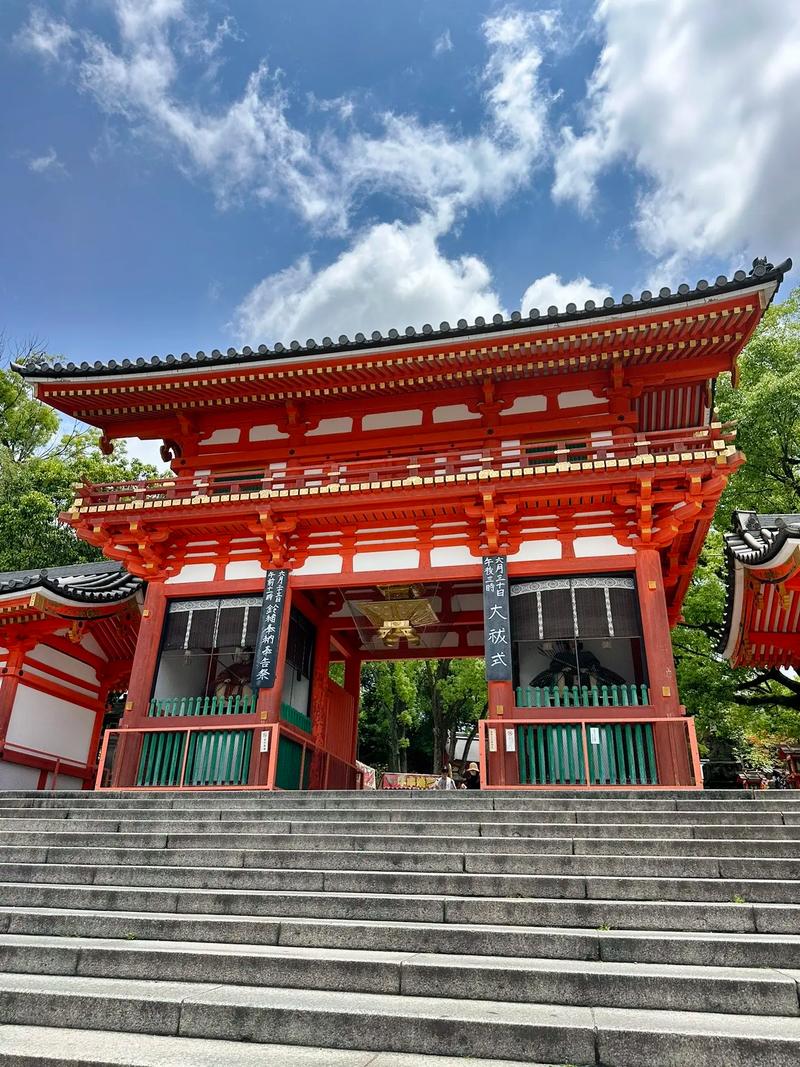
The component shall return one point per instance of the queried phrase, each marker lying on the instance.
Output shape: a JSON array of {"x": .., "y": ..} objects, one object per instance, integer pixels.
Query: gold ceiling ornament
[{"x": 394, "y": 619}]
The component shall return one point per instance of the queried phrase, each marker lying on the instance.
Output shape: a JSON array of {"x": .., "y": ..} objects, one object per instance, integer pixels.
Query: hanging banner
[
  {"x": 496, "y": 616},
  {"x": 269, "y": 631}
]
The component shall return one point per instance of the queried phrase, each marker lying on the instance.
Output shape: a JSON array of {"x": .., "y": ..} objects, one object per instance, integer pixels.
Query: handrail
[
  {"x": 83, "y": 770},
  {"x": 487, "y": 459},
  {"x": 623, "y": 695}
]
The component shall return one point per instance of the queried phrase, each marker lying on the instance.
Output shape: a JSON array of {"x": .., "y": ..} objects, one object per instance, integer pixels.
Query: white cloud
[
  {"x": 551, "y": 291},
  {"x": 443, "y": 43},
  {"x": 50, "y": 37},
  {"x": 49, "y": 163},
  {"x": 250, "y": 147},
  {"x": 392, "y": 276},
  {"x": 704, "y": 100}
]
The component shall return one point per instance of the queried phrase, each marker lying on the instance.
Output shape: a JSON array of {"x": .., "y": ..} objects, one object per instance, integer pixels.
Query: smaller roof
[
  {"x": 83, "y": 583},
  {"x": 757, "y": 540},
  {"x": 762, "y": 591}
]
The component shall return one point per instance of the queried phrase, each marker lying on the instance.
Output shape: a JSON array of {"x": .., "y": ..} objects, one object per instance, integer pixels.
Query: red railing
[
  {"x": 59, "y": 764},
  {"x": 493, "y": 459},
  {"x": 213, "y": 756},
  {"x": 621, "y": 752}
]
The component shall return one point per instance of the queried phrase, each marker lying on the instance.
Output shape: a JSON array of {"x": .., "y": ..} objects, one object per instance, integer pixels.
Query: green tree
[
  {"x": 39, "y": 464},
  {"x": 388, "y": 713},
  {"x": 749, "y": 711}
]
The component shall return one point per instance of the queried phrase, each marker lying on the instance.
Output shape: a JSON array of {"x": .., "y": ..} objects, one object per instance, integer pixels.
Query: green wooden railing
[
  {"x": 290, "y": 762},
  {"x": 214, "y": 757},
  {"x": 177, "y": 707},
  {"x": 295, "y": 718},
  {"x": 604, "y": 696},
  {"x": 553, "y": 754}
]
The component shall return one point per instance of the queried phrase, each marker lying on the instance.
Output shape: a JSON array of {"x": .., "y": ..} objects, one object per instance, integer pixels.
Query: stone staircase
[{"x": 419, "y": 929}]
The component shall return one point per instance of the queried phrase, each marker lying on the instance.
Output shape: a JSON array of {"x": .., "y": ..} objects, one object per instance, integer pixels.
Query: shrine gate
[{"x": 533, "y": 489}]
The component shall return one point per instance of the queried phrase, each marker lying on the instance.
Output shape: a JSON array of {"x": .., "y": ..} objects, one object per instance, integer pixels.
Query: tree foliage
[
  {"x": 40, "y": 461},
  {"x": 413, "y": 710},
  {"x": 747, "y": 712}
]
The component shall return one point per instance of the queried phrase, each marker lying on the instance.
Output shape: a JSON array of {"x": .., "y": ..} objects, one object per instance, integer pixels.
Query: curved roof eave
[{"x": 761, "y": 275}]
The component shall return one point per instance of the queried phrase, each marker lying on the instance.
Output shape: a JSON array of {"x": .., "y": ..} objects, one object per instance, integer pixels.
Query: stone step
[
  {"x": 768, "y": 840},
  {"x": 562, "y": 886},
  {"x": 753, "y": 991},
  {"x": 396, "y": 1023},
  {"x": 404, "y": 907},
  {"x": 375, "y": 800},
  {"x": 472, "y": 862},
  {"x": 248, "y": 820},
  {"x": 34, "y": 1046},
  {"x": 701, "y": 948}
]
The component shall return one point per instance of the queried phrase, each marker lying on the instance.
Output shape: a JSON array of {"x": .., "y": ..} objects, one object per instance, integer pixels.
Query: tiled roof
[
  {"x": 757, "y": 539},
  {"x": 87, "y": 583},
  {"x": 761, "y": 272},
  {"x": 754, "y": 541}
]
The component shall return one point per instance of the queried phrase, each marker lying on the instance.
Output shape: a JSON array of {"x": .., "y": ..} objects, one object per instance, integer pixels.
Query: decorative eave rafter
[{"x": 717, "y": 324}]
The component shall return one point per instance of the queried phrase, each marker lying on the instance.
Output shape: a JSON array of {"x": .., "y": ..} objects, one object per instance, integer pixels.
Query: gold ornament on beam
[{"x": 394, "y": 619}]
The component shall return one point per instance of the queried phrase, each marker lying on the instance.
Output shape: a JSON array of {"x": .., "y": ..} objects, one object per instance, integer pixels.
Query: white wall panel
[{"x": 50, "y": 724}]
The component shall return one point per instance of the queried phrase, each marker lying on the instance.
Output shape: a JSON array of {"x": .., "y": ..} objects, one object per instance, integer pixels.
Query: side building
[
  {"x": 534, "y": 490},
  {"x": 67, "y": 640}
]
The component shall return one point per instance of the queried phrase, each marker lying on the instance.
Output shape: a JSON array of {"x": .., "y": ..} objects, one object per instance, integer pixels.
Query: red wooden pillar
[
  {"x": 320, "y": 709},
  {"x": 11, "y": 675},
  {"x": 502, "y": 767},
  {"x": 143, "y": 670},
  {"x": 675, "y": 759},
  {"x": 656, "y": 633},
  {"x": 352, "y": 684},
  {"x": 145, "y": 658}
]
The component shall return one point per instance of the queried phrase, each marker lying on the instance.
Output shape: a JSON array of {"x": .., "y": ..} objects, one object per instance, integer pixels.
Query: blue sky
[{"x": 180, "y": 175}]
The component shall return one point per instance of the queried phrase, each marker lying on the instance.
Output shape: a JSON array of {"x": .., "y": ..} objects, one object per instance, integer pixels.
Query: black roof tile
[
  {"x": 760, "y": 272},
  {"x": 87, "y": 583}
]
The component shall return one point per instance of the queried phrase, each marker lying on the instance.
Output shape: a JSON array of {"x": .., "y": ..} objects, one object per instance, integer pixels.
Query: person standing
[
  {"x": 445, "y": 780},
  {"x": 472, "y": 777}
]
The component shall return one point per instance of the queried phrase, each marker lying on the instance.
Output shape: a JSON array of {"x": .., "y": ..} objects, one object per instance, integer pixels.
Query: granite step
[
  {"x": 396, "y": 1023},
  {"x": 505, "y": 862},
  {"x": 35, "y": 1046},
  {"x": 664, "y": 987},
  {"x": 701, "y": 948},
  {"x": 733, "y": 917},
  {"x": 411, "y": 882}
]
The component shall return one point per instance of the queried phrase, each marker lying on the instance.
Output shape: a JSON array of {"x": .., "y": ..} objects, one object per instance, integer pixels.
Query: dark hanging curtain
[
  {"x": 590, "y": 605},
  {"x": 557, "y": 619}
]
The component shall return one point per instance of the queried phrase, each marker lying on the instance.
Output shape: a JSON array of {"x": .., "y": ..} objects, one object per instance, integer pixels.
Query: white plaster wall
[
  {"x": 266, "y": 433},
  {"x": 329, "y": 426},
  {"x": 604, "y": 545},
  {"x": 15, "y": 776},
  {"x": 244, "y": 568},
  {"x": 90, "y": 644},
  {"x": 193, "y": 572},
  {"x": 523, "y": 405},
  {"x": 385, "y": 420},
  {"x": 64, "y": 663},
  {"x": 229, "y": 436},
  {"x": 549, "y": 548},
  {"x": 578, "y": 398},
  {"x": 454, "y": 413},
  {"x": 42, "y": 721},
  {"x": 325, "y": 564},
  {"x": 376, "y": 561},
  {"x": 452, "y": 556}
]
